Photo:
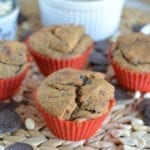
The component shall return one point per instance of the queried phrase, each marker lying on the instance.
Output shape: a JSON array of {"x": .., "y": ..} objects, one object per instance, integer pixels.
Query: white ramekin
[
  {"x": 101, "y": 18},
  {"x": 8, "y": 24}
]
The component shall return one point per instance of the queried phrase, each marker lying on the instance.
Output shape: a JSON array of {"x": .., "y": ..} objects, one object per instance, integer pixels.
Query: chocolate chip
[
  {"x": 19, "y": 146},
  {"x": 147, "y": 112},
  {"x": 145, "y": 103},
  {"x": 137, "y": 27},
  {"x": 101, "y": 68},
  {"x": 120, "y": 93},
  {"x": 98, "y": 58},
  {"x": 146, "y": 121},
  {"x": 9, "y": 121}
]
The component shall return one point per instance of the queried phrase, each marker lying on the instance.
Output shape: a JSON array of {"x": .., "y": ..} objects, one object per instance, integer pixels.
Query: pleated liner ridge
[
  {"x": 71, "y": 130},
  {"x": 9, "y": 86},
  {"x": 128, "y": 79},
  {"x": 47, "y": 64}
]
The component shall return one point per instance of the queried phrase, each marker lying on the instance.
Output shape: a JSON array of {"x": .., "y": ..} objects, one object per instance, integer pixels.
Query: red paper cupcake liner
[
  {"x": 9, "y": 86},
  {"x": 128, "y": 79},
  {"x": 71, "y": 130},
  {"x": 47, "y": 65}
]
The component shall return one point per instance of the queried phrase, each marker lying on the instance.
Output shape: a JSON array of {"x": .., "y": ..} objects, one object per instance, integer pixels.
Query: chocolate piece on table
[
  {"x": 144, "y": 104},
  {"x": 98, "y": 58},
  {"x": 121, "y": 93},
  {"x": 19, "y": 146},
  {"x": 9, "y": 121}
]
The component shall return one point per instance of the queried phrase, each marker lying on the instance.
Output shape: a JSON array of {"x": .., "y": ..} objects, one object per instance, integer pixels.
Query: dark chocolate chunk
[
  {"x": 21, "y": 18},
  {"x": 137, "y": 27},
  {"x": 147, "y": 112},
  {"x": 101, "y": 68},
  {"x": 145, "y": 103},
  {"x": 9, "y": 121},
  {"x": 98, "y": 58},
  {"x": 102, "y": 45},
  {"x": 19, "y": 146},
  {"x": 121, "y": 93},
  {"x": 146, "y": 121}
]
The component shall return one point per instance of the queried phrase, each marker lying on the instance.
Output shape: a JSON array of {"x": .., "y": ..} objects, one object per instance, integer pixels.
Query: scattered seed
[
  {"x": 17, "y": 98},
  {"x": 14, "y": 138},
  {"x": 101, "y": 144},
  {"x": 29, "y": 123},
  {"x": 35, "y": 141},
  {"x": 129, "y": 141},
  {"x": 35, "y": 133},
  {"x": 21, "y": 132},
  {"x": 138, "y": 133},
  {"x": 139, "y": 127},
  {"x": 137, "y": 95},
  {"x": 127, "y": 147},
  {"x": 137, "y": 121},
  {"x": 119, "y": 132},
  {"x": 81, "y": 148},
  {"x": 48, "y": 148},
  {"x": 53, "y": 142}
]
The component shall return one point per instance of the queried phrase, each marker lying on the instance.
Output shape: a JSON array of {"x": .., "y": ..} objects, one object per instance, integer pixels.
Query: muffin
[
  {"x": 58, "y": 47},
  {"x": 130, "y": 58},
  {"x": 74, "y": 101},
  {"x": 13, "y": 67}
]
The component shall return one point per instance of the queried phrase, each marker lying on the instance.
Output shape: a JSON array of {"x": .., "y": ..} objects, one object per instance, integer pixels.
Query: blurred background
[{"x": 135, "y": 14}]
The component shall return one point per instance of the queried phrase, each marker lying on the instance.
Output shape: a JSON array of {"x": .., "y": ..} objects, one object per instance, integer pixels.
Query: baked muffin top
[
  {"x": 60, "y": 41},
  {"x": 132, "y": 51},
  {"x": 72, "y": 94},
  {"x": 13, "y": 58}
]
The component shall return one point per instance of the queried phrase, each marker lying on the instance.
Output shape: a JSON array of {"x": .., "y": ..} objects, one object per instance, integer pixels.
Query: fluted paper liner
[
  {"x": 71, "y": 130},
  {"x": 9, "y": 86},
  {"x": 48, "y": 64},
  {"x": 130, "y": 80}
]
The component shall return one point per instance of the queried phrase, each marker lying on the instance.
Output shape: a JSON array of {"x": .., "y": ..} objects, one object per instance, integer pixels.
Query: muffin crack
[
  {"x": 128, "y": 61},
  {"x": 19, "y": 66},
  {"x": 71, "y": 95}
]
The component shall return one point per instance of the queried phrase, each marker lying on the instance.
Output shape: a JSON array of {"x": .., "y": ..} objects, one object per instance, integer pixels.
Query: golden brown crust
[
  {"x": 13, "y": 58},
  {"x": 71, "y": 94},
  {"x": 60, "y": 41},
  {"x": 133, "y": 52}
]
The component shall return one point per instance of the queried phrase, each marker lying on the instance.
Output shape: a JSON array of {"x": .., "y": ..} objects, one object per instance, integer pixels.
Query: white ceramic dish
[
  {"x": 100, "y": 17},
  {"x": 8, "y": 24}
]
